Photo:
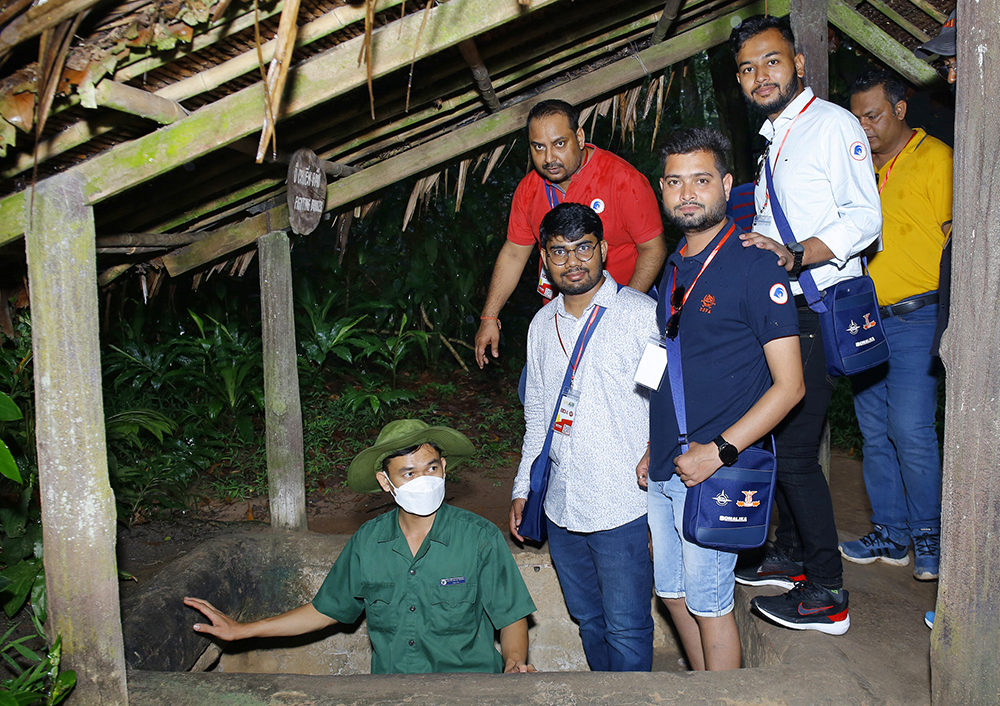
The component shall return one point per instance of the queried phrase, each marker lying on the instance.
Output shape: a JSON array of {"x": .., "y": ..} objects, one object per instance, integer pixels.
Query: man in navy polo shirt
[{"x": 730, "y": 309}]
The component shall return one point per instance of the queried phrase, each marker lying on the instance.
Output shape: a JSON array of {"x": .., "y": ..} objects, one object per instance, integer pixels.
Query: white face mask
[{"x": 421, "y": 496}]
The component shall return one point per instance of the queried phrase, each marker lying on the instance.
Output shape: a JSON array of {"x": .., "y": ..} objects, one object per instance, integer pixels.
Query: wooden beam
[
  {"x": 470, "y": 137},
  {"x": 899, "y": 20},
  {"x": 136, "y": 101},
  {"x": 809, "y": 24},
  {"x": 935, "y": 14},
  {"x": 312, "y": 83},
  {"x": 78, "y": 507},
  {"x": 286, "y": 477},
  {"x": 867, "y": 34},
  {"x": 125, "y": 240}
]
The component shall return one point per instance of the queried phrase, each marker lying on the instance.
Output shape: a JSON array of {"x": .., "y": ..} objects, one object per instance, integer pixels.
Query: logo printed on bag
[
  {"x": 707, "y": 302},
  {"x": 865, "y": 342},
  {"x": 868, "y": 322},
  {"x": 748, "y": 500},
  {"x": 858, "y": 151},
  {"x": 778, "y": 294},
  {"x": 722, "y": 499},
  {"x": 730, "y": 518},
  {"x": 853, "y": 328}
]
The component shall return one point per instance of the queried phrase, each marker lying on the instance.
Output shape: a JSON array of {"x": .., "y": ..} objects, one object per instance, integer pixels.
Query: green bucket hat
[{"x": 402, "y": 434}]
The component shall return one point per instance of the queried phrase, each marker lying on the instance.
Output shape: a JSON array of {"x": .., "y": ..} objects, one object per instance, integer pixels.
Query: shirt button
[
  {"x": 410, "y": 643},
  {"x": 412, "y": 608},
  {"x": 413, "y": 572}
]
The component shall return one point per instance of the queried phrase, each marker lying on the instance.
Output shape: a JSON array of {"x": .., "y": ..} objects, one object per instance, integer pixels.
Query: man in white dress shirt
[
  {"x": 822, "y": 175},
  {"x": 595, "y": 510}
]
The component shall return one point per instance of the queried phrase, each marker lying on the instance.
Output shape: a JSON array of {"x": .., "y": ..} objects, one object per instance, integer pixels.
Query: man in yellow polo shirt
[{"x": 896, "y": 402}]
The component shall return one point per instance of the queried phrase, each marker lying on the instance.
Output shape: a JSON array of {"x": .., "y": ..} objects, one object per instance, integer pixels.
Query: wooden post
[
  {"x": 283, "y": 408},
  {"x": 812, "y": 41},
  {"x": 966, "y": 636},
  {"x": 78, "y": 507}
]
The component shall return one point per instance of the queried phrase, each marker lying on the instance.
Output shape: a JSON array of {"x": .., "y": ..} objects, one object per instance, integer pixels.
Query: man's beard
[
  {"x": 581, "y": 287},
  {"x": 786, "y": 94},
  {"x": 699, "y": 222}
]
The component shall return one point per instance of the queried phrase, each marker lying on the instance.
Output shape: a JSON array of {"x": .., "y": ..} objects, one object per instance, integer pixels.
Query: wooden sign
[{"x": 306, "y": 191}]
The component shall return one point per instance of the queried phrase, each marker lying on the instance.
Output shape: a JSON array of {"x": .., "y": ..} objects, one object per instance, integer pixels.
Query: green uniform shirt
[{"x": 433, "y": 612}]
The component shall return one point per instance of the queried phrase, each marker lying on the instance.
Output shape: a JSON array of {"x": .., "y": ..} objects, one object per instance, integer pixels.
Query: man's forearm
[
  {"x": 299, "y": 621},
  {"x": 815, "y": 250},
  {"x": 648, "y": 263},
  {"x": 514, "y": 641}
]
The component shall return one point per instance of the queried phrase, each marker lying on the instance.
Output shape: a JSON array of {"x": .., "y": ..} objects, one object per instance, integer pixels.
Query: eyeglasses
[
  {"x": 944, "y": 66},
  {"x": 584, "y": 252},
  {"x": 677, "y": 304}
]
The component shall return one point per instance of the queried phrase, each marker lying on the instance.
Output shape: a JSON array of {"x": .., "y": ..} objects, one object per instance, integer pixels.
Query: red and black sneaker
[
  {"x": 808, "y": 606},
  {"x": 774, "y": 569}
]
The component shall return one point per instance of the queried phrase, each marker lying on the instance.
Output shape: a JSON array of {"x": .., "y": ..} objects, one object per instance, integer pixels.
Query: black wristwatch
[
  {"x": 797, "y": 251},
  {"x": 727, "y": 452}
]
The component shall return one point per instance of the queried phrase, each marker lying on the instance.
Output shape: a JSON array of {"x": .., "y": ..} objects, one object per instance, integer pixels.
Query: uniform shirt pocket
[
  {"x": 454, "y": 608},
  {"x": 378, "y": 606}
]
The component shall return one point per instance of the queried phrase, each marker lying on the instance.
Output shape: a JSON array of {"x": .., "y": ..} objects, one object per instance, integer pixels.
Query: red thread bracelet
[{"x": 491, "y": 318}]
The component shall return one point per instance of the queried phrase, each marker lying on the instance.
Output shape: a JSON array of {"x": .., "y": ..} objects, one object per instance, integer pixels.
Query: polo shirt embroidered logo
[
  {"x": 722, "y": 499},
  {"x": 707, "y": 302},
  {"x": 453, "y": 581},
  {"x": 597, "y": 205},
  {"x": 859, "y": 151},
  {"x": 748, "y": 500},
  {"x": 778, "y": 294}
]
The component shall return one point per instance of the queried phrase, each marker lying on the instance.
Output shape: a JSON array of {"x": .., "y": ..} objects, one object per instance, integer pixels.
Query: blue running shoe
[
  {"x": 926, "y": 555},
  {"x": 875, "y": 546},
  {"x": 929, "y": 619}
]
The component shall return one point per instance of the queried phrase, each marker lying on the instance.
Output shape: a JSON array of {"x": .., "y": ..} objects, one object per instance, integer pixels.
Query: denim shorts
[{"x": 681, "y": 569}]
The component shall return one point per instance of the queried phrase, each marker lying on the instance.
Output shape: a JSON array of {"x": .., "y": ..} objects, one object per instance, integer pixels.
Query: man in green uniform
[{"x": 434, "y": 580}]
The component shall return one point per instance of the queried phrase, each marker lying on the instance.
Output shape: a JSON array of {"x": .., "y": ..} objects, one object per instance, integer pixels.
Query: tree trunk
[
  {"x": 283, "y": 409},
  {"x": 78, "y": 508},
  {"x": 812, "y": 41},
  {"x": 966, "y": 637}
]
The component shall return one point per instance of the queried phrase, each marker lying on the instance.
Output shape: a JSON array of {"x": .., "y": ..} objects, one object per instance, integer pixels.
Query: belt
[{"x": 908, "y": 305}]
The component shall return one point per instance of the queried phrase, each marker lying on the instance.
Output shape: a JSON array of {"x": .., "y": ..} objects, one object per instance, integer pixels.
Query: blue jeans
[
  {"x": 607, "y": 581},
  {"x": 896, "y": 404}
]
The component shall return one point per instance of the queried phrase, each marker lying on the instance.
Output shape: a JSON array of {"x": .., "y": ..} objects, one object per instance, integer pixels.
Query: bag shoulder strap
[
  {"x": 574, "y": 362},
  {"x": 806, "y": 281}
]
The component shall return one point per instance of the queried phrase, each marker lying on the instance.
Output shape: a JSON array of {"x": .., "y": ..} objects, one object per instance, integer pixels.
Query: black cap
[{"x": 942, "y": 45}]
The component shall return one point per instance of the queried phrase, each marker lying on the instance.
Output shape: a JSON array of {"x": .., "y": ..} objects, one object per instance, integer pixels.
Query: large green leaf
[
  {"x": 22, "y": 577},
  {"x": 8, "y": 410},
  {"x": 8, "y": 466}
]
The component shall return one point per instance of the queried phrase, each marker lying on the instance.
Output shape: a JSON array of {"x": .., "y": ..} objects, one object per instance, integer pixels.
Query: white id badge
[
  {"x": 762, "y": 221},
  {"x": 567, "y": 411},
  {"x": 652, "y": 365},
  {"x": 545, "y": 287}
]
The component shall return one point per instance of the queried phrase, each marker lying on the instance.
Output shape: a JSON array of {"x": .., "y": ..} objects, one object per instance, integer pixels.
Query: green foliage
[
  {"x": 40, "y": 682},
  {"x": 844, "y": 431}
]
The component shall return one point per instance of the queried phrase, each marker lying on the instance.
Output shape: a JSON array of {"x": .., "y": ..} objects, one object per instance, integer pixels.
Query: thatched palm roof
[{"x": 158, "y": 106}]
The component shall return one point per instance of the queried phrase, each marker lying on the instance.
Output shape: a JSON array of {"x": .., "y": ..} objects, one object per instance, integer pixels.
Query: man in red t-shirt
[{"x": 569, "y": 169}]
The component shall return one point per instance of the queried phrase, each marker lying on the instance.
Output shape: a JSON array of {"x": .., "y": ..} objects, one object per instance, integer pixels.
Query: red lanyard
[
  {"x": 590, "y": 324},
  {"x": 708, "y": 260},
  {"x": 885, "y": 180},
  {"x": 766, "y": 195}
]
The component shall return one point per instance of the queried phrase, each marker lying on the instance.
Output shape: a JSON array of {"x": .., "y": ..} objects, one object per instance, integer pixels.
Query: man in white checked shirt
[{"x": 595, "y": 510}]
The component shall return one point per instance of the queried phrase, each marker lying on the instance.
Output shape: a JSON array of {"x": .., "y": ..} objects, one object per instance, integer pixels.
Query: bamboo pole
[
  {"x": 480, "y": 74},
  {"x": 136, "y": 101},
  {"x": 39, "y": 18}
]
